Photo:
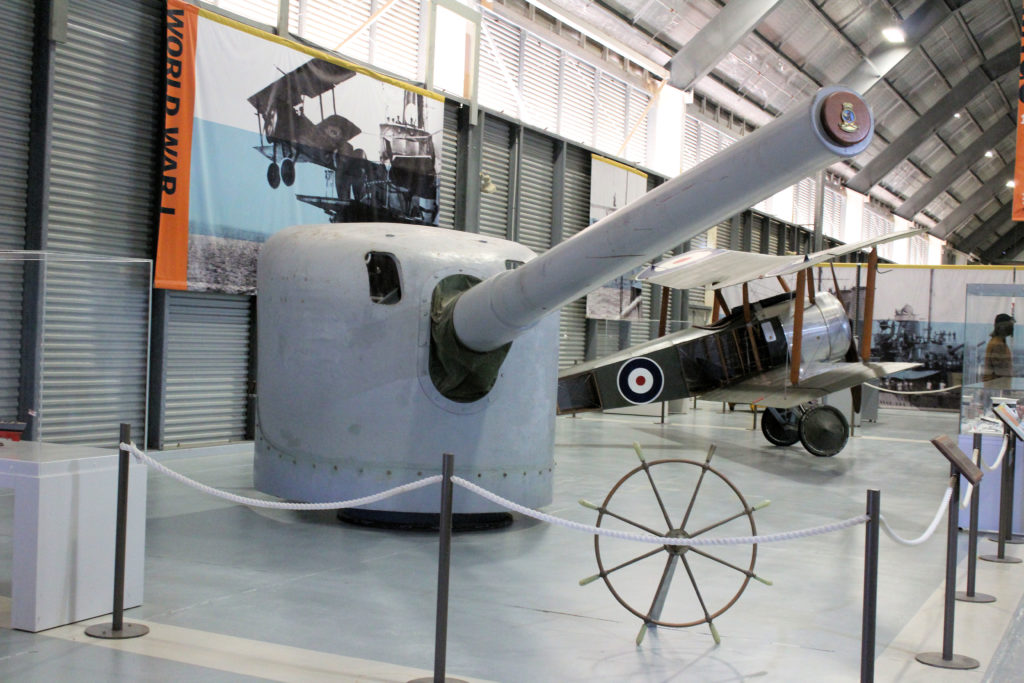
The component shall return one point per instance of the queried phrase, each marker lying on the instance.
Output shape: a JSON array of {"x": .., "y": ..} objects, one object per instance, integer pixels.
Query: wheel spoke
[
  {"x": 636, "y": 559},
  {"x": 696, "y": 589},
  {"x": 638, "y": 525},
  {"x": 715, "y": 525},
  {"x": 696, "y": 488},
  {"x": 730, "y": 565},
  {"x": 657, "y": 495}
]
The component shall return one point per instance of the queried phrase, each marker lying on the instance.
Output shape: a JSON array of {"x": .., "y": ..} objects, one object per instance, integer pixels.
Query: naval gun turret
[{"x": 382, "y": 346}]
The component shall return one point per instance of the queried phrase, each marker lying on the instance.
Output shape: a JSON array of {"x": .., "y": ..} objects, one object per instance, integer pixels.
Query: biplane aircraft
[
  {"x": 747, "y": 356},
  {"x": 400, "y": 186}
]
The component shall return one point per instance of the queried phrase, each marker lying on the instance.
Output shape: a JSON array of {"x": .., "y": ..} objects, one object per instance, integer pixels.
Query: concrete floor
[{"x": 234, "y": 593}]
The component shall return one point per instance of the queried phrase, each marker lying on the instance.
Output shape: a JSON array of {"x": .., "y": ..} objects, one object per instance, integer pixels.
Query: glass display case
[{"x": 993, "y": 370}]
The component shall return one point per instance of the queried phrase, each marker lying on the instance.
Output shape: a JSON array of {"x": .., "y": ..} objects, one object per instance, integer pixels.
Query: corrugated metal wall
[
  {"x": 206, "y": 383},
  {"x": 576, "y": 217},
  {"x": 536, "y": 190},
  {"x": 106, "y": 120},
  {"x": 496, "y": 163},
  {"x": 16, "y": 69},
  {"x": 449, "y": 164}
]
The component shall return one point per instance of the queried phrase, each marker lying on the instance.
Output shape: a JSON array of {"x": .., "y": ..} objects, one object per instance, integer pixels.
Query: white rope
[
  {"x": 650, "y": 538},
  {"x": 999, "y": 460},
  {"x": 277, "y": 505},
  {"x": 975, "y": 458},
  {"x": 923, "y": 391},
  {"x": 928, "y": 532}
]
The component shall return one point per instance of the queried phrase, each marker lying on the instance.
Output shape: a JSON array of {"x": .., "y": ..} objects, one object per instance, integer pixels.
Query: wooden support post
[
  {"x": 869, "y": 306},
  {"x": 798, "y": 328}
]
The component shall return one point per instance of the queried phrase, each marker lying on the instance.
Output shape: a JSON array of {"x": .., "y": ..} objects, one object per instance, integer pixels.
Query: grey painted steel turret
[{"x": 381, "y": 346}]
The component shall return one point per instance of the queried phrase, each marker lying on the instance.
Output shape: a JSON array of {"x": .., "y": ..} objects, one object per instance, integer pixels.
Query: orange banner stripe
[{"x": 171, "y": 270}]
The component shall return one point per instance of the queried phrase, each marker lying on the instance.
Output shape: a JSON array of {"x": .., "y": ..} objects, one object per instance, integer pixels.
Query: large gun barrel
[{"x": 834, "y": 124}]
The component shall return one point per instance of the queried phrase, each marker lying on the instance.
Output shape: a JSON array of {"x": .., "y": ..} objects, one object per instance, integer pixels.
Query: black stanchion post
[
  {"x": 117, "y": 628},
  {"x": 972, "y": 543},
  {"x": 1005, "y": 502},
  {"x": 443, "y": 572},
  {"x": 867, "y": 637},
  {"x": 946, "y": 659}
]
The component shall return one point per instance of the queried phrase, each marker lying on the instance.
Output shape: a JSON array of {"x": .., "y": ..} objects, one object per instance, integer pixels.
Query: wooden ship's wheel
[{"x": 679, "y": 499}]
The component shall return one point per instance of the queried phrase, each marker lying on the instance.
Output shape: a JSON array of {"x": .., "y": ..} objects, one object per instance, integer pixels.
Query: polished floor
[{"x": 236, "y": 594}]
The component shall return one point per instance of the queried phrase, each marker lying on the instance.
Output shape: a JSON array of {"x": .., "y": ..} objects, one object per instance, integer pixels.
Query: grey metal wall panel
[
  {"x": 106, "y": 123},
  {"x": 496, "y": 164},
  {"x": 207, "y": 368},
  {"x": 449, "y": 164},
  {"x": 536, "y": 190},
  {"x": 16, "y": 68},
  {"x": 576, "y": 213}
]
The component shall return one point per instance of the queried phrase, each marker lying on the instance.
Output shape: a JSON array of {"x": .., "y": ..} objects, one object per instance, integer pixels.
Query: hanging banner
[
  {"x": 1018, "y": 171},
  {"x": 613, "y": 185},
  {"x": 262, "y": 133}
]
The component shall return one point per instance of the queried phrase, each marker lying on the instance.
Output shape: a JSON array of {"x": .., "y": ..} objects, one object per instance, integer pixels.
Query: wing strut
[
  {"x": 720, "y": 306},
  {"x": 798, "y": 328},
  {"x": 785, "y": 287},
  {"x": 869, "y": 306},
  {"x": 750, "y": 330}
]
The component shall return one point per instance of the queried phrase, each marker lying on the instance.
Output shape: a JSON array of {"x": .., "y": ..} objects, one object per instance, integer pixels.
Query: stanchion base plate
[
  {"x": 962, "y": 596},
  {"x": 957, "y": 662},
  {"x": 107, "y": 631},
  {"x": 1013, "y": 540},
  {"x": 995, "y": 558},
  {"x": 430, "y": 679}
]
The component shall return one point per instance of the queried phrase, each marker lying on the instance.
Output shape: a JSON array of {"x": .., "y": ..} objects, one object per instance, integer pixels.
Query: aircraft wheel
[
  {"x": 287, "y": 172},
  {"x": 680, "y": 499},
  {"x": 274, "y": 175},
  {"x": 824, "y": 430},
  {"x": 780, "y": 427}
]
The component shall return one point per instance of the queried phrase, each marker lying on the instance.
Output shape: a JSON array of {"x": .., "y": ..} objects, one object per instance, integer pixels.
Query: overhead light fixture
[
  {"x": 1011, "y": 183},
  {"x": 989, "y": 154},
  {"x": 894, "y": 34},
  {"x": 956, "y": 115}
]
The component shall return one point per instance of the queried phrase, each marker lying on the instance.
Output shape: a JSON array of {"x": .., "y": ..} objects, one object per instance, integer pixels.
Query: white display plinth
[{"x": 65, "y": 506}]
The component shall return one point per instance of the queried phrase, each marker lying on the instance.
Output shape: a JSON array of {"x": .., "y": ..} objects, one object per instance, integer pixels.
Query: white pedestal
[{"x": 65, "y": 506}]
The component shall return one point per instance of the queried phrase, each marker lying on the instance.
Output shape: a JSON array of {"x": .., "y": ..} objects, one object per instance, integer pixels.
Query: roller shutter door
[
  {"x": 576, "y": 216},
  {"x": 536, "y": 191},
  {"x": 16, "y": 67},
  {"x": 496, "y": 164},
  {"x": 207, "y": 368},
  {"x": 106, "y": 123},
  {"x": 449, "y": 164}
]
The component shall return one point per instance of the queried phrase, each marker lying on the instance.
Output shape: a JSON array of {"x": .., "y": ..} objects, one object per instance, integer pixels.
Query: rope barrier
[
  {"x": 923, "y": 391},
  {"x": 975, "y": 458},
  {"x": 928, "y": 532},
  {"x": 999, "y": 459},
  {"x": 273, "y": 504},
  {"x": 535, "y": 514},
  {"x": 649, "y": 538}
]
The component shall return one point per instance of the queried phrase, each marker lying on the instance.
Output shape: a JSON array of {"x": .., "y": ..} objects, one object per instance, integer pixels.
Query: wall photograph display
[{"x": 262, "y": 133}]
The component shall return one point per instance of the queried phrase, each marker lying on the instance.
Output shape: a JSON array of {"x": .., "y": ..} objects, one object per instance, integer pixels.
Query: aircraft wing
[
  {"x": 309, "y": 80},
  {"x": 722, "y": 267},
  {"x": 770, "y": 390}
]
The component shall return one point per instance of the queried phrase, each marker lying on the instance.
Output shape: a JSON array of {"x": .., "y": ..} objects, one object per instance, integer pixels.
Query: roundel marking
[{"x": 640, "y": 380}]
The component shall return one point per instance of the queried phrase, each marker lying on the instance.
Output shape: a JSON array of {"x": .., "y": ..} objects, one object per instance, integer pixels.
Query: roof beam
[
  {"x": 887, "y": 55},
  {"x": 1013, "y": 240},
  {"x": 715, "y": 41},
  {"x": 972, "y": 204},
  {"x": 996, "y": 223},
  {"x": 955, "y": 168},
  {"x": 957, "y": 98}
]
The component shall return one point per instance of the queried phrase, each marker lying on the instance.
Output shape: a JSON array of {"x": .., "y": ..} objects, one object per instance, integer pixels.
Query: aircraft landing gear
[
  {"x": 287, "y": 171},
  {"x": 274, "y": 175},
  {"x": 823, "y": 430}
]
